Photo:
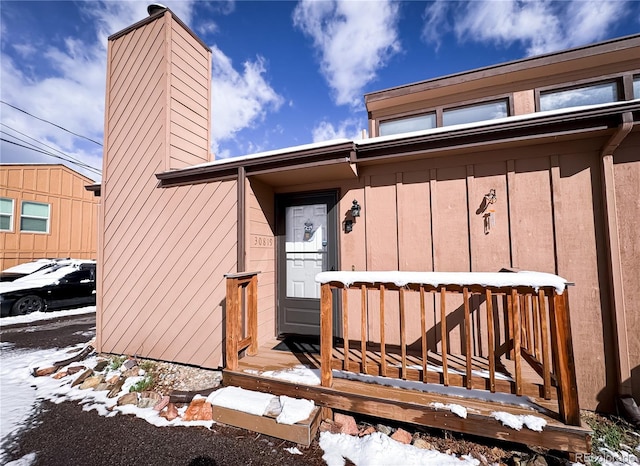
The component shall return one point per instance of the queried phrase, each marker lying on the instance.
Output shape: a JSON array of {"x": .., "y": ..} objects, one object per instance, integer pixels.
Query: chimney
[{"x": 158, "y": 98}]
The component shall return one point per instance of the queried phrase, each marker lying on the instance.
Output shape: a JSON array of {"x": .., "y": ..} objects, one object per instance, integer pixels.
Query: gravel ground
[{"x": 65, "y": 435}]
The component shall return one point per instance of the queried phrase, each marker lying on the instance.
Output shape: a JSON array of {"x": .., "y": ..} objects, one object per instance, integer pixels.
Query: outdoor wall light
[
  {"x": 348, "y": 226},
  {"x": 355, "y": 209}
]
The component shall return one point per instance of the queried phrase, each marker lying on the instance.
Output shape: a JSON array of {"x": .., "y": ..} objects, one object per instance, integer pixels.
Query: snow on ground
[
  {"x": 381, "y": 450},
  {"x": 21, "y": 393},
  {"x": 36, "y": 316}
]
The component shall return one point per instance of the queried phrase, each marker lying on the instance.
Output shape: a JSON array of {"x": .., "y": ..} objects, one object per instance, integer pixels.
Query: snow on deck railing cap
[{"x": 533, "y": 280}]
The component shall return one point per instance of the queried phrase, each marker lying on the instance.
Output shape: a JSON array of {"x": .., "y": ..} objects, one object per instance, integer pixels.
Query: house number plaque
[{"x": 260, "y": 241}]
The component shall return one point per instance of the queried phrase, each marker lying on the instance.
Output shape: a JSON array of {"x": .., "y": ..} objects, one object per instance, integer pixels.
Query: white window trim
[
  {"x": 11, "y": 215},
  {"x": 47, "y": 218}
]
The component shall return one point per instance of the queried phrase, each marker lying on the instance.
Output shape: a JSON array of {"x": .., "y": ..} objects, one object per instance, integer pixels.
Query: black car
[{"x": 66, "y": 284}]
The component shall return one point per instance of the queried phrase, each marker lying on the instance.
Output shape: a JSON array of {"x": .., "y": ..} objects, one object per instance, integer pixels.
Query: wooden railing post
[
  {"x": 232, "y": 311},
  {"x": 326, "y": 335},
  {"x": 563, "y": 359},
  {"x": 252, "y": 315}
]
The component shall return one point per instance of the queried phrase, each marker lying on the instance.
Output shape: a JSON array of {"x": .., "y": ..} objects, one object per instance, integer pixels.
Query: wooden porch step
[
  {"x": 415, "y": 407},
  {"x": 302, "y": 432}
]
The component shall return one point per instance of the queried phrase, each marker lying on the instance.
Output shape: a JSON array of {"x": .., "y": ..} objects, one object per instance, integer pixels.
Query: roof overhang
[
  {"x": 305, "y": 164},
  {"x": 532, "y": 128}
]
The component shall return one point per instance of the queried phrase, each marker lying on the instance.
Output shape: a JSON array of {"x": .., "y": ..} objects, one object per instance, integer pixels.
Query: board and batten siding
[
  {"x": 163, "y": 251},
  {"x": 548, "y": 217},
  {"x": 73, "y": 213}
]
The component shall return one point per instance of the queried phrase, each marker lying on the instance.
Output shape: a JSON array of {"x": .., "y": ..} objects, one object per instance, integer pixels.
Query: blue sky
[{"x": 284, "y": 73}]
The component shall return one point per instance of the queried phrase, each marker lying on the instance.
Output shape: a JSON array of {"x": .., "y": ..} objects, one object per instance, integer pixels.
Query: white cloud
[
  {"x": 354, "y": 40},
  {"x": 349, "y": 129},
  {"x": 541, "y": 26},
  {"x": 238, "y": 100}
]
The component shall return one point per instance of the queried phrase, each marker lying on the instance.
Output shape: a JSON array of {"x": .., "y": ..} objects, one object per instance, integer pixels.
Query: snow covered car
[
  {"x": 65, "y": 284},
  {"x": 22, "y": 270}
]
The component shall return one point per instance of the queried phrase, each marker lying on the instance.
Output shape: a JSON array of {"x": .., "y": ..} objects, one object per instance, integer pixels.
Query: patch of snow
[
  {"x": 294, "y": 451},
  {"x": 44, "y": 277},
  {"x": 454, "y": 408},
  {"x": 36, "y": 316},
  {"x": 298, "y": 374},
  {"x": 517, "y": 422},
  {"x": 241, "y": 400},
  {"x": 294, "y": 410},
  {"x": 26, "y": 460},
  {"x": 381, "y": 450},
  {"x": 495, "y": 279}
]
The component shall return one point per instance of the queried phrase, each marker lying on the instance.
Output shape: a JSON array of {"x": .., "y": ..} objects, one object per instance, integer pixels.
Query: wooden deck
[{"x": 407, "y": 405}]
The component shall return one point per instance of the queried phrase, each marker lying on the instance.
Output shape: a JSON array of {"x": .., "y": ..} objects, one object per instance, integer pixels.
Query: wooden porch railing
[
  {"x": 534, "y": 328},
  {"x": 241, "y": 316}
]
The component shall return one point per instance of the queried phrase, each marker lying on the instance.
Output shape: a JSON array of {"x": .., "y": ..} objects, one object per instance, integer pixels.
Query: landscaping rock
[
  {"x": 132, "y": 372},
  {"x": 160, "y": 405},
  {"x": 423, "y": 444},
  {"x": 81, "y": 378},
  {"x": 128, "y": 399},
  {"x": 75, "y": 369},
  {"x": 368, "y": 431},
  {"x": 44, "y": 371},
  {"x": 199, "y": 410},
  {"x": 128, "y": 364},
  {"x": 348, "y": 424},
  {"x": 402, "y": 436},
  {"x": 115, "y": 389},
  {"x": 170, "y": 413},
  {"x": 102, "y": 387},
  {"x": 101, "y": 365},
  {"x": 148, "y": 399},
  {"x": 113, "y": 379},
  {"x": 92, "y": 382},
  {"x": 537, "y": 460},
  {"x": 384, "y": 429},
  {"x": 328, "y": 425},
  {"x": 59, "y": 375}
]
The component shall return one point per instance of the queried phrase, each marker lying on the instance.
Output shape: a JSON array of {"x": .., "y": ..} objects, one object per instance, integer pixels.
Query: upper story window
[
  {"x": 408, "y": 124},
  {"x": 476, "y": 112},
  {"x": 6, "y": 214},
  {"x": 586, "y": 95},
  {"x": 34, "y": 217},
  {"x": 636, "y": 87}
]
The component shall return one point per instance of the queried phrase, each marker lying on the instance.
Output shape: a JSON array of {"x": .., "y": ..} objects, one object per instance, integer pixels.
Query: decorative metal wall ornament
[
  {"x": 308, "y": 230},
  {"x": 489, "y": 215}
]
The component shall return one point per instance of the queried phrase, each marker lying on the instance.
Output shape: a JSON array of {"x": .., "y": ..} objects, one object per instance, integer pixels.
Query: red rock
[
  {"x": 402, "y": 436},
  {"x": 160, "y": 405},
  {"x": 347, "y": 422},
  {"x": 133, "y": 372},
  {"x": 199, "y": 410},
  {"x": 81, "y": 378},
  {"x": 75, "y": 369},
  {"x": 368, "y": 431},
  {"x": 329, "y": 426},
  {"x": 170, "y": 413},
  {"x": 113, "y": 379},
  {"x": 44, "y": 371},
  {"x": 59, "y": 375}
]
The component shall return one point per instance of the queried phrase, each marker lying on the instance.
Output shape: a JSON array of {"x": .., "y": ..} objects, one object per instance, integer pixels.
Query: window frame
[
  {"x": 11, "y": 215},
  {"x": 635, "y": 78},
  {"x": 48, "y": 217},
  {"x": 440, "y": 109},
  {"x": 493, "y": 99},
  {"x": 568, "y": 86},
  {"x": 405, "y": 116}
]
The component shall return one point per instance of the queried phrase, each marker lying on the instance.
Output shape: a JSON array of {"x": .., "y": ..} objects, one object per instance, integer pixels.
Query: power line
[
  {"x": 83, "y": 165},
  {"x": 47, "y": 121},
  {"x": 71, "y": 158}
]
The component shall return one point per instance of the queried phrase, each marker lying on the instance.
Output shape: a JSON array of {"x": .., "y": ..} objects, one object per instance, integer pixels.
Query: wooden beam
[
  {"x": 491, "y": 342},
  {"x": 363, "y": 327},
  {"x": 565, "y": 369},
  {"x": 345, "y": 326},
  {"x": 252, "y": 315},
  {"x": 326, "y": 335},
  {"x": 423, "y": 334},
  {"x": 412, "y": 407},
  {"x": 403, "y": 336},
  {"x": 383, "y": 354},
  {"x": 467, "y": 336},
  {"x": 232, "y": 310},
  {"x": 443, "y": 335}
]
